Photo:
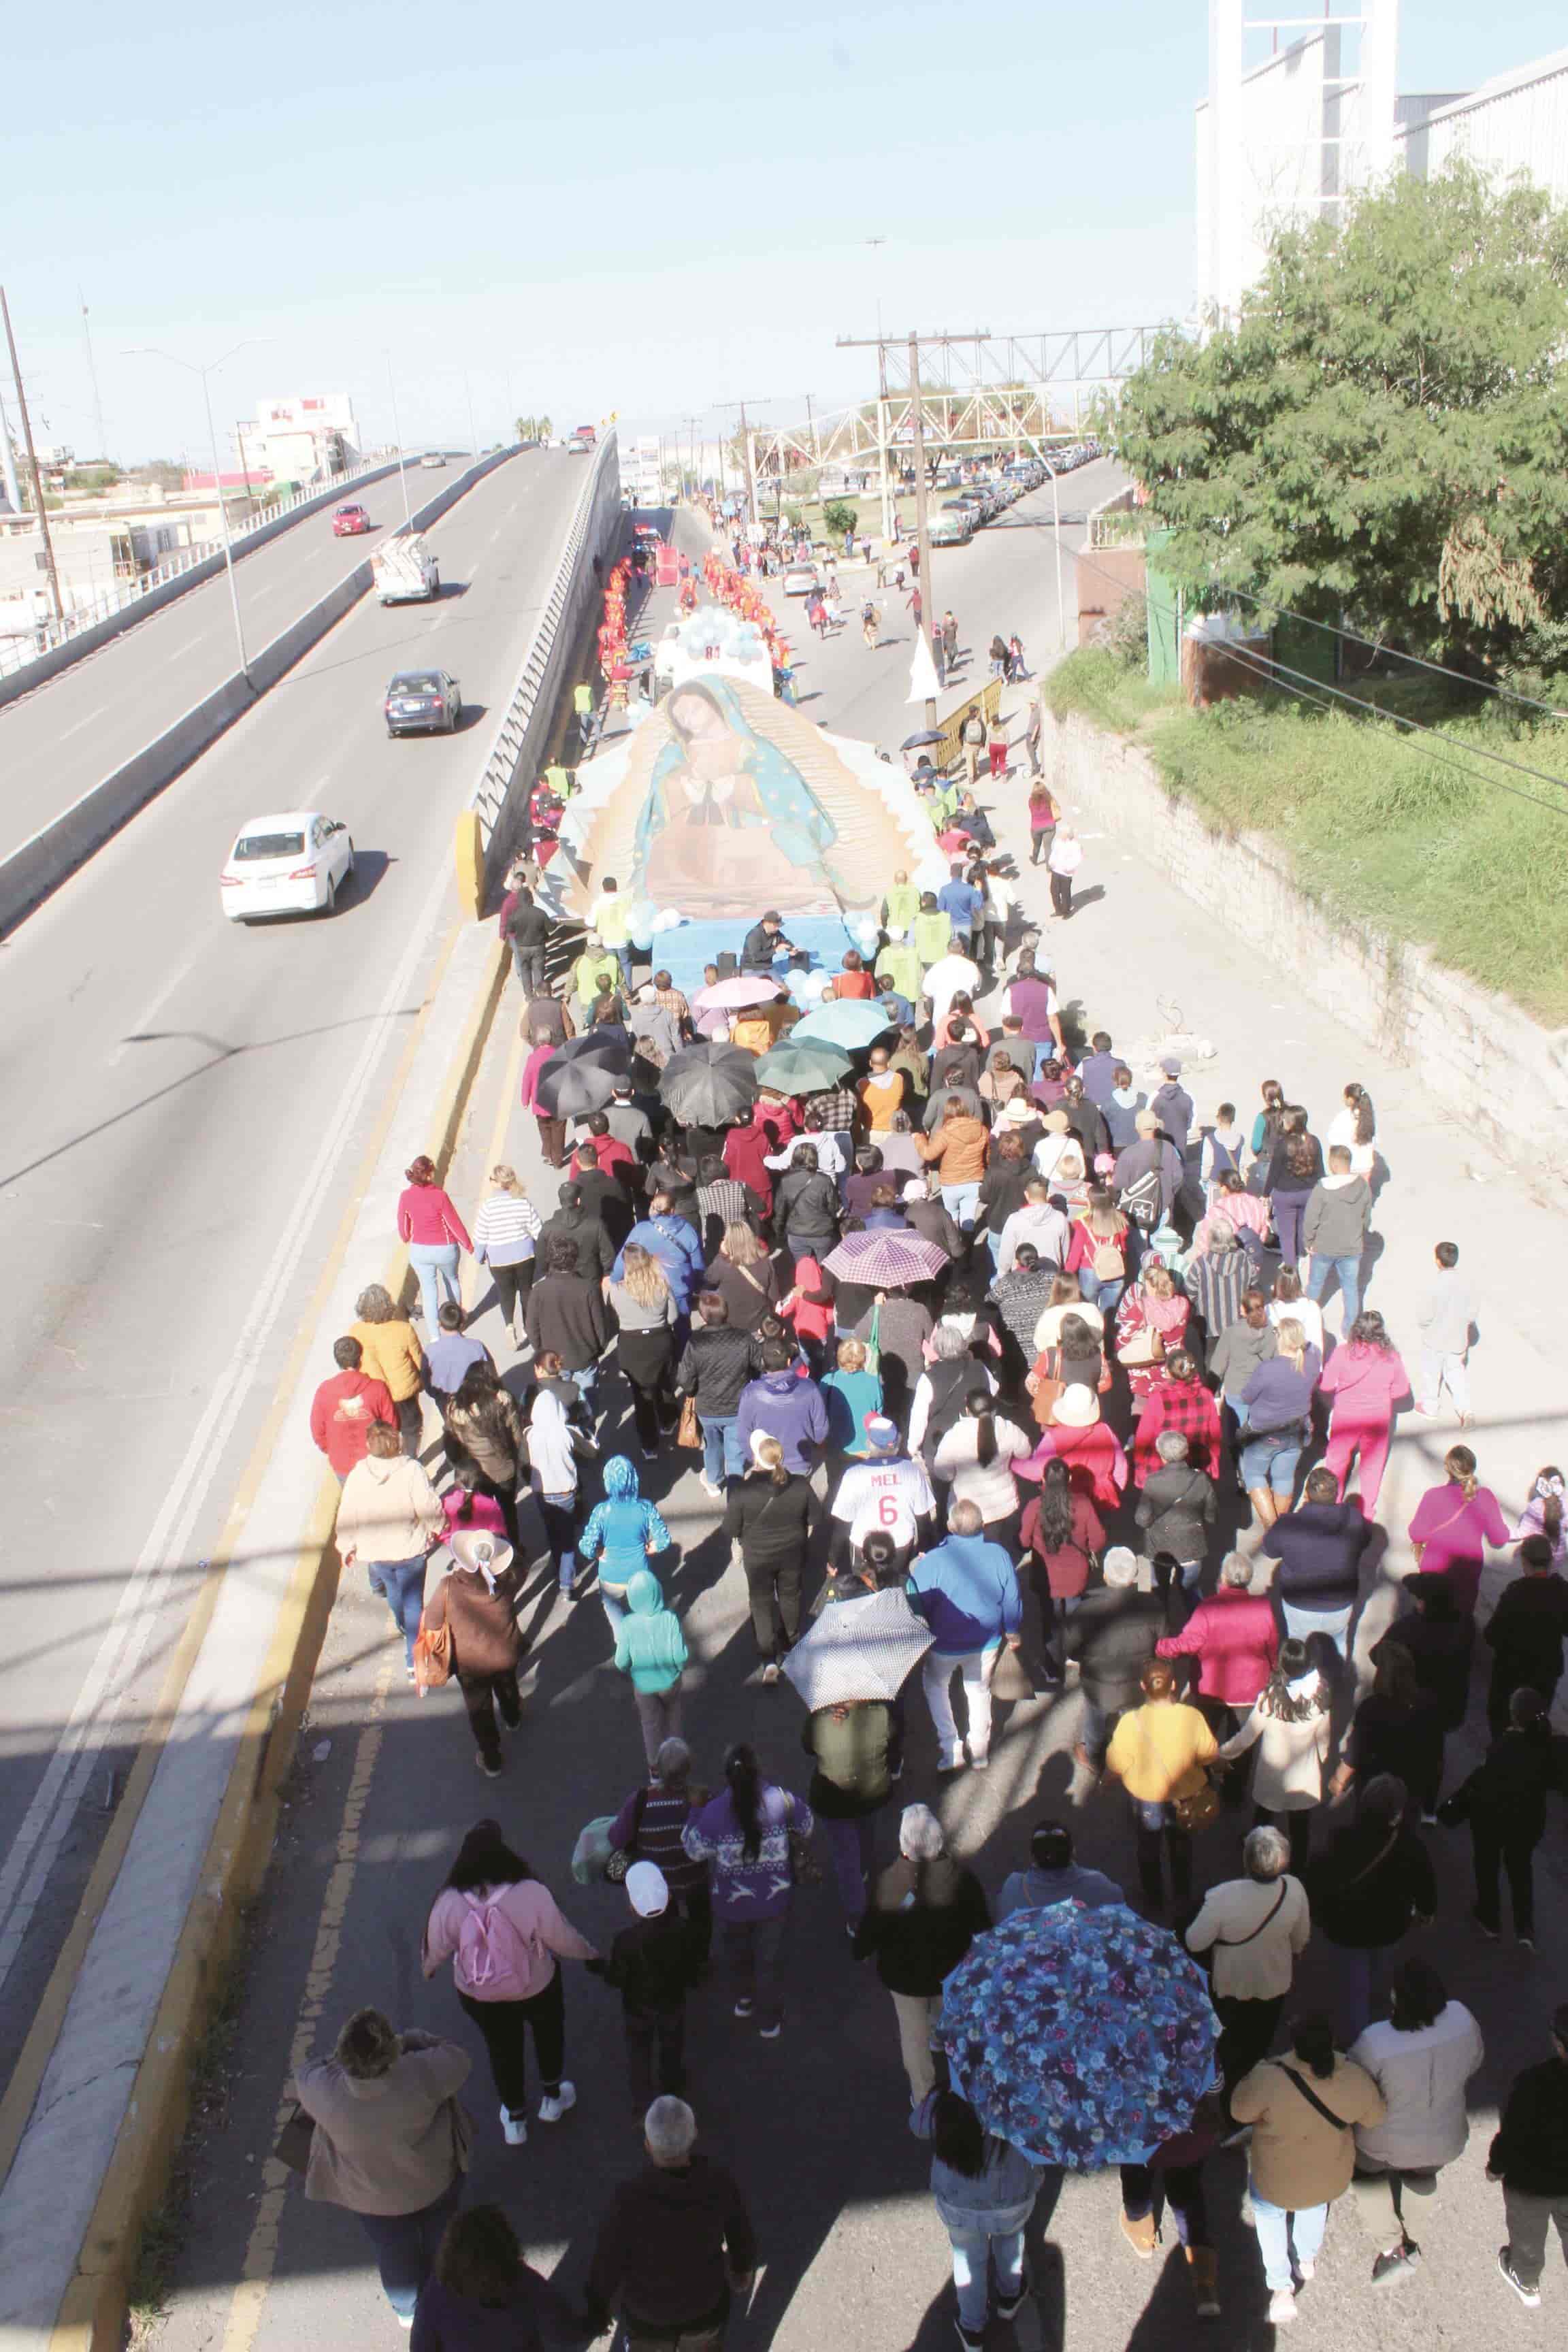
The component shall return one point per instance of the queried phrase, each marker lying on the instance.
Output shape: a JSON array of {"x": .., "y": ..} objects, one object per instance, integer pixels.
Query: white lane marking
[
  {"x": 107, "y": 1684},
  {"x": 137, "y": 1032}
]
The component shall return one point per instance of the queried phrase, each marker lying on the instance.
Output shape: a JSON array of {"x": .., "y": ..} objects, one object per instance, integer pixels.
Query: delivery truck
[{"x": 404, "y": 572}]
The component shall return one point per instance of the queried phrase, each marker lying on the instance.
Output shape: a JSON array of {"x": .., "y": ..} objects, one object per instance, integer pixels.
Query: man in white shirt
[
  {"x": 889, "y": 1492},
  {"x": 944, "y": 980}
]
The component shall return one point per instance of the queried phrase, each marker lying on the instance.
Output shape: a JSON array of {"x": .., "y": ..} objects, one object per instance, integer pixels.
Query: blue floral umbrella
[{"x": 1084, "y": 2037}]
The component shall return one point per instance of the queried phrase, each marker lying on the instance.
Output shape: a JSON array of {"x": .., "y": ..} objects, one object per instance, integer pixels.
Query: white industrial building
[
  {"x": 307, "y": 438},
  {"x": 1299, "y": 114}
]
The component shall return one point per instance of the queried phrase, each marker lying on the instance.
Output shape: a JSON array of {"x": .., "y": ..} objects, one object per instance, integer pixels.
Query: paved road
[
  {"x": 815, "y": 2124},
  {"x": 58, "y": 741},
  {"x": 188, "y": 1103}
]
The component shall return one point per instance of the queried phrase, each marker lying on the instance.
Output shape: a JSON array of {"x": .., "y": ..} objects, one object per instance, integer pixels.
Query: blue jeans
[
  {"x": 1349, "y": 1271},
  {"x": 1106, "y": 1296},
  {"x": 401, "y": 1583},
  {"x": 1360, "y": 1984},
  {"x": 1281, "y": 2233},
  {"x": 853, "y": 1845},
  {"x": 720, "y": 1448},
  {"x": 1269, "y": 1462},
  {"x": 559, "y": 1512},
  {"x": 1301, "y": 1624},
  {"x": 962, "y": 1202},
  {"x": 973, "y": 2251},
  {"x": 437, "y": 1266},
  {"x": 405, "y": 2243},
  {"x": 623, "y": 958}
]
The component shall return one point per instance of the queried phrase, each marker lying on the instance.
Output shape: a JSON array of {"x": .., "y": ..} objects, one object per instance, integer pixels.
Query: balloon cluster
[{"x": 737, "y": 596}]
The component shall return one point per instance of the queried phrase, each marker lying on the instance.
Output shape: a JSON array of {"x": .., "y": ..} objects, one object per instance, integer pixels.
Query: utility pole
[
  {"x": 402, "y": 453},
  {"x": 243, "y": 461},
  {"x": 8, "y": 461},
  {"x": 923, "y": 532},
  {"x": 32, "y": 463},
  {"x": 692, "y": 425},
  {"x": 151, "y": 351},
  {"x": 93, "y": 378}
]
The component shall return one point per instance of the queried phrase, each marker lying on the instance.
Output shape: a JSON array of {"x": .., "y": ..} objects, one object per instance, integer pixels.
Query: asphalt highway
[
  {"x": 185, "y": 1104},
  {"x": 58, "y": 741}
]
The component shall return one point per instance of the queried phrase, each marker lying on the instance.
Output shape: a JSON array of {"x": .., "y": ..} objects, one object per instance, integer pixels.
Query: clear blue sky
[{"x": 652, "y": 220}]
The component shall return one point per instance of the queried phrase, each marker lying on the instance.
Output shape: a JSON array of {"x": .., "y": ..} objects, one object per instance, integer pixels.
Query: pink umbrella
[
  {"x": 885, "y": 1258},
  {"x": 733, "y": 995}
]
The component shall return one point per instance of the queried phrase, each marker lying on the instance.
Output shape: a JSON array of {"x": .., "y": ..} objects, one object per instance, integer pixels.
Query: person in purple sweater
[
  {"x": 783, "y": 1405},
  {"x": 1278, "y": 1404},
  {"x": 744, "y": 1834},
  {"x": 483, "y": 2297}
]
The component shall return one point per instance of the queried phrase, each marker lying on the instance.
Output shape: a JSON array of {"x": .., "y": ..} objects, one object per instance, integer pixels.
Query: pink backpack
[{"x": 497, "y": 1960}]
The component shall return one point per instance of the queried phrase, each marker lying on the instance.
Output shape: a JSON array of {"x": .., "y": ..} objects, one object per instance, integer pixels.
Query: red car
[{"x": 348, "y": 523}]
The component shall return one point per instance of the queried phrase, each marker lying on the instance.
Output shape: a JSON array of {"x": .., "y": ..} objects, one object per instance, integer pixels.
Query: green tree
[
  {"x": 1384, "y": 436},
  {"x": 838, "y": 516}
]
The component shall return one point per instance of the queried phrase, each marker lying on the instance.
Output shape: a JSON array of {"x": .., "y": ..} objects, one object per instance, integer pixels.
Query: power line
[
  {"x": 1313, "y": 690},
  {"x": 1392, "y": 652}
]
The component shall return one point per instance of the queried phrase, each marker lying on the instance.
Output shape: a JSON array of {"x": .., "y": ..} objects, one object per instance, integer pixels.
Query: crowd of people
[{"x": 1014, "y": 1335}]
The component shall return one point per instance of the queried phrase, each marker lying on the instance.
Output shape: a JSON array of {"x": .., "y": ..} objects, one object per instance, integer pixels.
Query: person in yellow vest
[
  {"x": 594, "y": 961},
  {"x": 931, "y": 931},
  {"x": 899, "y": 962},
  {"x": 901, "y": 904},
  {"x": 609, "y": 916},
  {"x": 583, "y": 704}
]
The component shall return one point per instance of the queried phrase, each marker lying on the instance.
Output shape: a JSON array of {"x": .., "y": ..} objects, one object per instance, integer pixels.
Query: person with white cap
[
  {"x": 651, "y": 1966},
  {"x": 890, "y": 1491},
  {"x": 476, "y": 1604}
]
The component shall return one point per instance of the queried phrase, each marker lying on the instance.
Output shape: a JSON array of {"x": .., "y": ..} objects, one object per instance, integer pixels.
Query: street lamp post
[
  {"x": 153, "y": 351},
  {"x": 402, "y": 452},
  {"x": 1057, "y": 537}
]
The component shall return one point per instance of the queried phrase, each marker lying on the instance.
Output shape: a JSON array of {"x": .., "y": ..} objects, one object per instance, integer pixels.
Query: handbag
[
  {"x": 1196, "y": 1811},
  {"x": 432, "y": 1657},
  {"x": 689, "y": 1431},
  {"x": 1010, "y": 1681},
  {"x": 296, "y": 2140},
  {"x": 1144, "y": 1348},
  {"x": 870, "y": 1342},
  {"x": 622, "y": 1856},
  {"x": 1048, "y": 1388}
]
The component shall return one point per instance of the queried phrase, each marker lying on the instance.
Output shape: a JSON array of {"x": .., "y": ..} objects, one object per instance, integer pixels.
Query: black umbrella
[
  {"x": 918, "y": 742},
  {"x": 709, "y": 1084},
  {"x": 581, "y": 1075}
]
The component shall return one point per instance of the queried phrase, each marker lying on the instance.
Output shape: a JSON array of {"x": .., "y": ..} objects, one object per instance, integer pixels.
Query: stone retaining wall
[{"x": 1483, "y": 1059}]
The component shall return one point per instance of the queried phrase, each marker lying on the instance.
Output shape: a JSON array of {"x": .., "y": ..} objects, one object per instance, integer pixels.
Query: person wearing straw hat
[
  {"x": 477, "y": 1602},
  {"x": 1097, "y": 1463}
]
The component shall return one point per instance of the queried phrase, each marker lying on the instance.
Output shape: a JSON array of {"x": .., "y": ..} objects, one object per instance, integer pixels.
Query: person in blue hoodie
[
  {"x": 623, "y": 1534},
  {"x": 1053, "y": 1876},
  {"x": 967, "y": 1591},
  {"x": 651, "y": 1648}
]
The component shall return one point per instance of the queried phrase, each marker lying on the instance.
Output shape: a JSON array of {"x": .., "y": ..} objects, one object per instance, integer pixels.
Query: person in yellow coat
[{"x": 1159, "y": 1751}]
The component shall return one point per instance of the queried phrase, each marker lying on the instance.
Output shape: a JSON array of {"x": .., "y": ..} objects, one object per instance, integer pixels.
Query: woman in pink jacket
[
  {"x": 1364, "y": 1380},
  {"x": 435, "y": 1232},
  {"x": 1453, "y": 1525},
  {"x": 504, "y": 1936}
]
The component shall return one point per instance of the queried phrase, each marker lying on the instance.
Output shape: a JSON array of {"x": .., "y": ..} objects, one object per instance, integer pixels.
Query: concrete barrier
[
  {"x": 39, "y": 866},
  {"x": 87, "y": 641}
]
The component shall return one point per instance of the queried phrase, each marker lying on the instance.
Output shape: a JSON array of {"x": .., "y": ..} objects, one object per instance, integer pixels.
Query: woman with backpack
[
  {"x": 1304, "y": 2111},
  {"x": 505, "y": 1937},
  {"x": 1098, "y": 1250},
  {"x": 747, "y": 1835}
]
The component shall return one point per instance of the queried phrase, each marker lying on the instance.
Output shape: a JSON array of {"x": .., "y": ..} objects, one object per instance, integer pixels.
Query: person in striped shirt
[{"x": 505, "y": 1233}]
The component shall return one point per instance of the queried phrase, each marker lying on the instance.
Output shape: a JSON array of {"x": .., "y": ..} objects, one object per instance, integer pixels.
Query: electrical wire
[
  {"x": 1396, "y": 719},
  {"x": 1390, "y": 653}
]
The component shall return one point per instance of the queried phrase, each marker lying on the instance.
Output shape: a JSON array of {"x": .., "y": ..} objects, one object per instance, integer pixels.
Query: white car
[
  {"x": 433, "y": 462},
  {"x": 291, "y": 865},
  {"x": 800, "y": 579}
]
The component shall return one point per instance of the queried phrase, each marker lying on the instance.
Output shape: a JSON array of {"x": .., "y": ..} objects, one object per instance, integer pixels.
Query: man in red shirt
[{"x": 344, "y": 1408}]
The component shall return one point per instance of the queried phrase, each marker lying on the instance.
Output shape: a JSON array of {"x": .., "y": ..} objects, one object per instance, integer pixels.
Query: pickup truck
[{"x": 404, "y": 572}]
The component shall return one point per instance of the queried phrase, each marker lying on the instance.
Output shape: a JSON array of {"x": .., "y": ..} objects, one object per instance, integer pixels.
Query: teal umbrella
[
  {"x": 803, "y": 1069},
  {"x": 849, "y": 1021}
]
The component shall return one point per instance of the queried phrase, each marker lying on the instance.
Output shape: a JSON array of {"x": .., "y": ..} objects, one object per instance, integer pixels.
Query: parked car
[
  {"x": 291, "y": 865},
  {"x": 350, "y": 521},
  {"x": 423, "y": 702},
  {"x": 951, "y": 529},
  {"x": 800, "y": 579}
]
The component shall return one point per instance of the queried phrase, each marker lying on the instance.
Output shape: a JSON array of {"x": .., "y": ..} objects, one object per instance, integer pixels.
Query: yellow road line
[{"x": 256, "y": 2271}]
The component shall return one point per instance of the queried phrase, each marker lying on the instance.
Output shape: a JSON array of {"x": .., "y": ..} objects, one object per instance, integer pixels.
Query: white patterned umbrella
[{"x": 858, "y": 1650}]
